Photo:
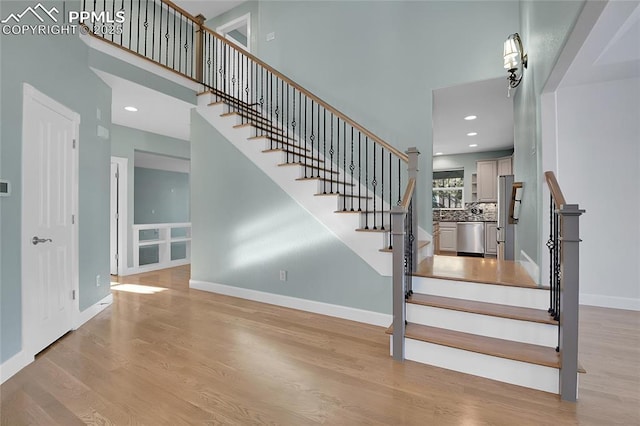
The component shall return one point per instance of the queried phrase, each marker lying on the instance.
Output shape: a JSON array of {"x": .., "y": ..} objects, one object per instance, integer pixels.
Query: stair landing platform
[{"x": 476, "y": 269}]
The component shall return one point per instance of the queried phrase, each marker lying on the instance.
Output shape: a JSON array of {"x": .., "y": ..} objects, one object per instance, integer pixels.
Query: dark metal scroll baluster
[
  {"x": 382, "y": 188},
  {"x": 374, "y": 183},
  {"x": 337, "y": 155},
  {"x": 550, "y": 246},
  {"x": 153, "y": 32},
  {"x": 366, "y": 180},
  {"x": 130, "y": 20},
  {"x": 324, "y": 149},
  {"x": 344, "y": 166},
  {"x": 351, "y": 169},
  {"x": 359, "y": 171},
  {"x": 113, "y": 14},
  {"x": 312, "y": 139},
  {"x": 399, "y": 186},
  {"x": 390, "y": 198}
]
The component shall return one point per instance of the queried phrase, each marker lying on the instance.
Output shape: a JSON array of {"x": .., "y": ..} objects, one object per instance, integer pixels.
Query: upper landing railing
[
  {"x": 564, "y": 279},
  {"x": 345, "y": 157}
]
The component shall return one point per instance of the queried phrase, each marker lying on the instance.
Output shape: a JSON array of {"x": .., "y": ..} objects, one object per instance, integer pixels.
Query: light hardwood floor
[{"x": 166, "y": 355}]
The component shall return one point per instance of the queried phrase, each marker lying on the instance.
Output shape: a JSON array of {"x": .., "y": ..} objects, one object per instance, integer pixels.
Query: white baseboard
[
  {"x": 530, "y": 266},
  {"x": 155, "y": 267},
  {"x": 614, "y": 302},
  {"x": 92, "y": 311},
  {"x": 345, "y": 312},
  {"x": 13, "y": 365}
]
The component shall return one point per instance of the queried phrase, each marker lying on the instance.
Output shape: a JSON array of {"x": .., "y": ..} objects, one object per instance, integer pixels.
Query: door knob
[{"x": 36, "y": 240}]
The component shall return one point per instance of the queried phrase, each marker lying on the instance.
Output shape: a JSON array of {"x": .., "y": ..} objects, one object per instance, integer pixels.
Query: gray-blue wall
[
  {"x": 125, "y": 141},
  {"x": 245, "y": 229},
  {"x": 161, "y": 196},
  {"x": 545, "y": 26},
  {"x": 56, "y": 66}
]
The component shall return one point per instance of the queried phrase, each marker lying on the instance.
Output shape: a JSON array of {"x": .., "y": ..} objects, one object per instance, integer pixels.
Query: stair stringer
[{"x": 365, "y": 244}]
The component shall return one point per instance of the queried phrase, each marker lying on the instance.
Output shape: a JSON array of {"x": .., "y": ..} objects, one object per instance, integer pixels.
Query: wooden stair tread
[
  {"x": 517, "y": 351},
  {"x": 278, "y": 141},
  {"x": 273, "y": 131},
  {"x": 421, "y": 244},
  {"x": 297, "y": 154},
  {"x": 477, "y": 270},
  {"x": 336, "y": 181},
  {"x": 491, "y": 309},
  {"x": 362, "y": 211},
  {"x": 247, "y": 114},
  {"x": 309, "y": 166},
  {"x": 362, "y": 197},
  {"x": 386, "y": 228}
]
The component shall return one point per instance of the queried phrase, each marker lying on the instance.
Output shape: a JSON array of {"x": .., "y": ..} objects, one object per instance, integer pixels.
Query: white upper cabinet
[{"x": 487, "y": 185}]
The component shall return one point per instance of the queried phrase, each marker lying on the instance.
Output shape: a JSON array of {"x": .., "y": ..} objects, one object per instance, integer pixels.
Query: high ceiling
[
  {"x": 488, "y": 101},
  {"x": 210, "y": 8}
]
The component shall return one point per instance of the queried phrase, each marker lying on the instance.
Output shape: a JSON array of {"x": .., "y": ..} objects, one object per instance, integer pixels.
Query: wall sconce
[{"x": 514, "y": 60}]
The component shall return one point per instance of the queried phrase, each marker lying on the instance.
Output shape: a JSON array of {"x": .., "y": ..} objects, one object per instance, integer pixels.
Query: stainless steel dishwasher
[{"x": 470, "y": 238}]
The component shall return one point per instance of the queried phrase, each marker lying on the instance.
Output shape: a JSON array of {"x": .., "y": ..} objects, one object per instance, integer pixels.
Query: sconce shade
[{"x": 515, "y": 60}]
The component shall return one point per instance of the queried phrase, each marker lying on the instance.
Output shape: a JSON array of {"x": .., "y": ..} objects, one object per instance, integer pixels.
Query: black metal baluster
[
  {"x": 399, "y": 186},
  {"x": 293, "y": 118},
  {"x": 359, "y": 171},
  {"x": 153, "y": 32},
  {"x": 324, "y": 149},
  {"x": 306, "y": 101},
  {"x": 382, "y": 189},
  {"x": 173, "y": 34},
  {"x": 390, "y": 198},
  {"x": 550, "y": 246},
  {"x": 337, "y": 176},
  {"x": 374, "y": 183},
  {"x": 138, "y": 31},
  {"x": 317, "y": 170},
  {"x": 312, "y": 137},
  {"x": 166, "y": 39},
  {"x": 113, "y": 15},
  {"x": 130, "y": 21},
  {"x": 352, "y": 167},
  {"x": 180, "y": 46},
  {"x": 344, "y": 165}
]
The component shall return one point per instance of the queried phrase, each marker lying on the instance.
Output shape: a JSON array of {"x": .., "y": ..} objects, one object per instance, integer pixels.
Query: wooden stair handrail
[
  {"x": 408, "y": 193},
  {"x": 295, "y": 85},
  {"x": 554, "y": 188}
]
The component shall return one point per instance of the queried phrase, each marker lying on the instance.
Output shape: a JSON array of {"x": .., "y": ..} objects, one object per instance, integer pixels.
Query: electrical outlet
[
  {"x": 283, "y": 275},
  {"x": 97, "y": 280},
  {"x": 271, "y": 36}
]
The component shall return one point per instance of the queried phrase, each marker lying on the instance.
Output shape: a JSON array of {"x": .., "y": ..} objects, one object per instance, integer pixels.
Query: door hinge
[
  {"x": 74, "y": 144},
  {"x": 73, "y": 294},
  {"x": 73, "y": 219},
  {"x": 117, "y": 175}
]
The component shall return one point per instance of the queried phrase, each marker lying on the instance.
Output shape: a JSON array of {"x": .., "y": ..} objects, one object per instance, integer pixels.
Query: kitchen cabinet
[
  {"x": 491, "y": 236},
  {"x": 504, "y": 166},
  {"x": 448, "y": 236},
  {"x": 487, "y": 182}
]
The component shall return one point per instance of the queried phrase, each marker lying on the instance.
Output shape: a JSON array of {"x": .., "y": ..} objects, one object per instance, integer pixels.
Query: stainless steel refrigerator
[{"x": 505, "y": 234}]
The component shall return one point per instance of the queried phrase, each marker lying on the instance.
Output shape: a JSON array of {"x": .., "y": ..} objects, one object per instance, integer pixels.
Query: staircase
[
  {"x": 498, "y": 329},
  {"x": 357, "y": 213},
  {"x": 365, "y": 191}
]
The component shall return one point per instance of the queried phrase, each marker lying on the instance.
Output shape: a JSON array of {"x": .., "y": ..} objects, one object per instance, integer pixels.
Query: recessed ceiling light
[
  {"x": 470, "y": 117},
  {"x": 472, "y": 133},
  {"x": 438, "y": 153},
  {"x": 131, "y": 108},
  {"x": 473, "y": 145}
]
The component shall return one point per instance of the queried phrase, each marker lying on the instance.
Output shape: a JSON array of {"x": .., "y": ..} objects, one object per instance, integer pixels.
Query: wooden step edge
[
  {"x": 273, "y": 135},
  {"x": 245, "y": 115},
  {"x": 232, "y": 102},
  {"x": 483, "y": 308},
  {"x": 328, "y": 180},
  {"x": 421, "y": 244},
  {"x": 296, "y": 154},
  {"x": 309, "y": 166},
  {"x": 276, "y": 141},
  {"x": 475, "y": 281},
  {"x": 507, "y": 349},
  {"x": 381, "y": 229},
  {"x": 361, "y": 197},
  {"x": 363, "y": 211}
]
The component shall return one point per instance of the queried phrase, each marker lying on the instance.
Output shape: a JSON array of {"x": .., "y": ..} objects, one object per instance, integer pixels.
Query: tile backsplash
[{"x": 489, "y": 213}]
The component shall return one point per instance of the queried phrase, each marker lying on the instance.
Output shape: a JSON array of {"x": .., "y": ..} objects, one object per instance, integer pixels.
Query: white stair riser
[
  {"x": 501, "y": 369},
  {"x": 491, "y": 293},
  {"x": 484, "y": 325}
]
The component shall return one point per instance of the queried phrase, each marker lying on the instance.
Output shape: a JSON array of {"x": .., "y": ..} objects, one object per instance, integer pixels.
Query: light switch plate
[{"x": 5, "y": 188}]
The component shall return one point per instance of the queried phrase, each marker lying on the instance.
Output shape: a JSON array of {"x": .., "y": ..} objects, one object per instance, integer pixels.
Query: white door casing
[
  {"x": 49, "y": 213},
  {"x": 114, "y": 223}
]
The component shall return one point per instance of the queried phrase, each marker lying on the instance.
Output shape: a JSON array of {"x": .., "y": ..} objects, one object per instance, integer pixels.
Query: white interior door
[
  {"x": 48, "y": 237},
  {"x": 114, "y": 219}
]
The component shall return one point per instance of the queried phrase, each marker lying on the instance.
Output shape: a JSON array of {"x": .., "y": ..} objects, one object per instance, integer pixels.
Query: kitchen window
[{"x": 448, "y": 189}]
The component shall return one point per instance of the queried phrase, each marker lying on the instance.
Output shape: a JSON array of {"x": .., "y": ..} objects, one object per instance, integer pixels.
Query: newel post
[
  {"x": 199, "y": 47},
  {"x": 413, "y": 154},
  {"x": 569, "y": 300},
  {"x": 398, "y": 214}
]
